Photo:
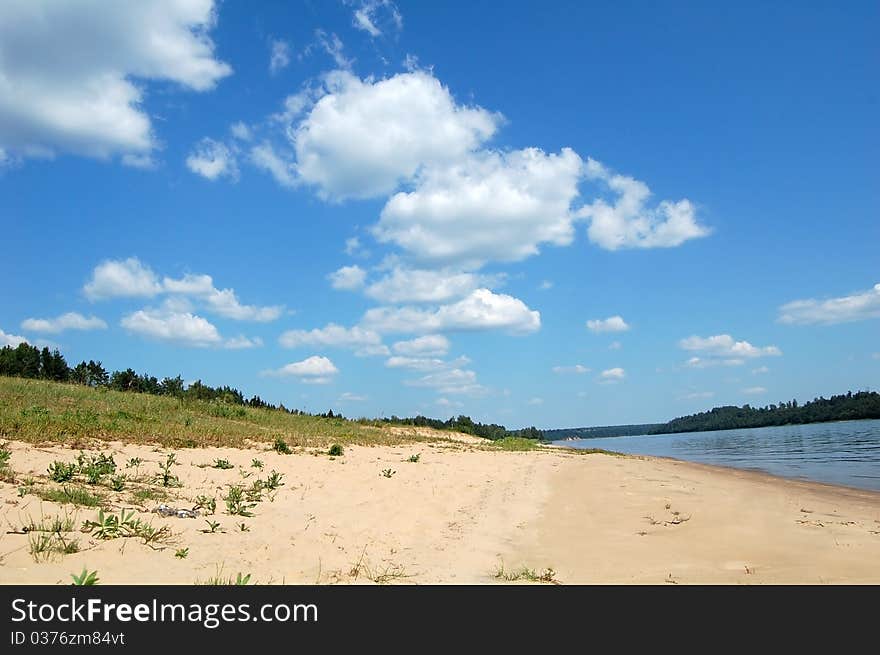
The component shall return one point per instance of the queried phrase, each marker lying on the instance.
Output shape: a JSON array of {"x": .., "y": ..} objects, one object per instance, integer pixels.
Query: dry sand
[{"x": 459, "y": 514}]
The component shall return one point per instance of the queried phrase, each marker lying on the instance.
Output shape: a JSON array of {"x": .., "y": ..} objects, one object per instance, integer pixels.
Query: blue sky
[{"x": 559, "y": 215}]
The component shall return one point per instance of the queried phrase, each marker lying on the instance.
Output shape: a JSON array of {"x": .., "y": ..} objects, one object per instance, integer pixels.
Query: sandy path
[{"x": 459, "y": 513}]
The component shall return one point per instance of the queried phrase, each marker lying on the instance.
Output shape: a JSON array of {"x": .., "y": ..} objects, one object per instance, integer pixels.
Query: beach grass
[{"x": 42, "y": 412}]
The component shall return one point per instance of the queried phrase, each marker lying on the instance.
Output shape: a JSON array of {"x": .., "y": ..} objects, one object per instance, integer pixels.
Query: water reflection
[{"x": 845, "y": 453}]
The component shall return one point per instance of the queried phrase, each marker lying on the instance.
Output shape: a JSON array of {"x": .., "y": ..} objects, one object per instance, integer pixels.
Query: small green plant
[
  {"x": 516, "y": 443},
  {"x": 255, "y": 493},
  {"x": 94, "y": 467},
  {"x": 6, "y": 473},
  {"x": 257, "y": 464},
  {"x": 140, "y": 496},
  {"x": 548, "y": 575},
  {"x": 274, "y": 481},
  {"x": 207, "y": 503},
  {"x": 213, "y": 526},
  {"x": 64, "y": 523},
  {"x": 387, "y": 473},
  {"x": 219, "y": 579},
  {"x": 166, "y": 477},
  {"x": 44, "y": 545},
  {"x": 111, "y": 526},
  {"x": 243, "y": 527},
  {"x": 70, "y": 495},
  {"x": 62, "y": 471},
  {"x": 236, "y": 503},
  {"x": 117, "y": 482},
  {"x": 181, "y": 553},
  {"x": 86, "y": 578},
  {"x": 413, "y": 458},
  {"x": 280, "y": 446},
  {"x": 222, "y": 464},
  {"x": 134, "y": 463},
  {"x": 335, "y": 450}
]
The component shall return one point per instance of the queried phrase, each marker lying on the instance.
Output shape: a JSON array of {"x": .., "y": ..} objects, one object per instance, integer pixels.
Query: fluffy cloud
[
  {"x": 348, "y": 278},
  {"x": 450, "y": 382},
  {"x": 856, "y": 307},
  {"x": 242, "y": 343},
  {"x": 724, "y": 347},
  {"x": 127, "y": 278},
  {"x": 212, "y": 159},
  {"x": 264, "y": 156},
  {"x": 755, "y": 391},
  {"x": 312, "y": 370},
  {"x": 535, "y": 401},
  {"x": 430, "y": 345},
  {"x": 629, "y": 223},
  {"x": 487, "y": 206},
  {"x": 577, "y": 368},
  {"x": 350, "y": 397},
  {"x": 67, "y": 72},
  {"x": 612, "y": 375},
  {"x": 760, "y": 370},
  {"x": 331, "y": 335},
  {"x": 413, "y": 285},
  {"x": 699, "y": 362},
  {"x": 279, "y": 58},
  {"x": 220, "y": 301},
  {"x": 240, "y": 131},
  {"x": 612, "y": 324},
  {"x": 180, "y": 328},
  {"x": 416, "y": 363},
  {"x": 364, "y": 137},
  {"x": 481, "y": 310},
  {"x": 130, "y": 278},
  {"x": 370, "y": 12},
  {"x": 10, "y": 339},
  {"x": 68, "y": 321}
]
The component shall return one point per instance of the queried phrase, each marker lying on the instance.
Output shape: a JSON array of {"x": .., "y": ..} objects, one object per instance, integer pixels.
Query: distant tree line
[
  {"x": 601, "y": 431},
  {"x": 468, "y": 426},
  {"x": 845, "y": 407},
  {"x": 27, "y": 361}
]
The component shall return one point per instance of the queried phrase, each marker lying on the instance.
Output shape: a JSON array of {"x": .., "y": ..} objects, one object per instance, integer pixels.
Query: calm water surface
[{"x": 846, "y": 453}]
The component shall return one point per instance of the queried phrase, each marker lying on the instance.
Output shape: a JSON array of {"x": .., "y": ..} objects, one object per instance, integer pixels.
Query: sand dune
[{"x": 458, "y": 515}]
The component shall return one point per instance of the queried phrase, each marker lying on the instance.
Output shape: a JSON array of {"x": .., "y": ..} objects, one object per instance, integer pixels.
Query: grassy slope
[{"x": 37, "y": 411}]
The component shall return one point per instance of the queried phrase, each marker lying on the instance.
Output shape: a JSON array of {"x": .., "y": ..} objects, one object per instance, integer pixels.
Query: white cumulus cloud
[
  {"x": 629, "y": 223},
  {"x": 611, "y": 324},
  {"x": 577, "y": 368},
  {"x": 72, "y": 74},
  {"x": 723, "y": 346},
  {"x": 331, "y": 335},
  {"x": 127, "y": 278},
  {"x": 174, "y": 327},
  {"x": 430, "y": 345},
  {"x": 12, "y": 340},
  {"x": 844, "y": 309},
  {"x": 507, "y": 203},
  {"x": 450, "y": 382},
  {"x": 481, "y": 310},
  {"x": 312, "y": 370},
  {"x": 613, "y": 375},
  {"x": 415, "y": 285},
  {"x": 68, "y": 321},
  {"x": 364, "y": 137},
  {"x": 348, "y": 278},
  {"x": 212, "y": 160}
]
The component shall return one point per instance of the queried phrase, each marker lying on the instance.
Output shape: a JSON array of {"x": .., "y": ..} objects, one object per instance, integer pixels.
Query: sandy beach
[{"x": 460, "y": 514}]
